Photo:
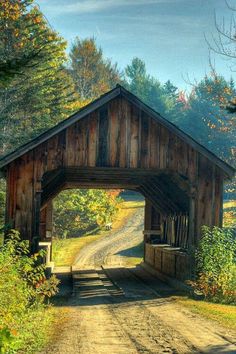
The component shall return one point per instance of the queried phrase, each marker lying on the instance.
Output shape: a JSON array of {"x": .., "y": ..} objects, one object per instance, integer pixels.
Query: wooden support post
[
  {"x": 192, "y": 231},
  {"x": 46, "y": 222},
  {"x": 36, "y": 223},
  {"x": 49, "y": 220}
]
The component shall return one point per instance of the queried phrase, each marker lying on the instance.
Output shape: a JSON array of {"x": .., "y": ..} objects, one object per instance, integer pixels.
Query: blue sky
[{"x": 167, "y": 34}]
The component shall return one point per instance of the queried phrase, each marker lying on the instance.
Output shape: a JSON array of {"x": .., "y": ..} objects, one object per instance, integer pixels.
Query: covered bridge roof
[{"x": 118, "y": 91}]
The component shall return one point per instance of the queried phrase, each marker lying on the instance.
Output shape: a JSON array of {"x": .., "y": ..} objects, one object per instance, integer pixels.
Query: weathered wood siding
[{"x": 117, "y": 135}]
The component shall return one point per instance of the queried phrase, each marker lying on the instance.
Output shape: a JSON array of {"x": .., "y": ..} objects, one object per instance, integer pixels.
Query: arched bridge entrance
[{"x": 119, "y": 142}]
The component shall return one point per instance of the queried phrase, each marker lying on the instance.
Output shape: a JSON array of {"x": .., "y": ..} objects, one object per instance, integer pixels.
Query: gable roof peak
[{"x": 118, "y": 90}]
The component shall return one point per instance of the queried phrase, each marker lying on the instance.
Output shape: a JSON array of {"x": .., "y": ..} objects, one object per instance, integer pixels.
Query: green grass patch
[
  {"x": 65, "y": 251},
  {"x": 225, "y": 315}
]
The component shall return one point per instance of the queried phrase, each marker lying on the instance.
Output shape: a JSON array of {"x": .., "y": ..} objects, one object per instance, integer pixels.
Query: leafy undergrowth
[
  {"x": 216, "y": 266},
  {"x": 25, "y": 319},
  {"x": 66, "y": 250},
  {"x": 225, "y": 315}
]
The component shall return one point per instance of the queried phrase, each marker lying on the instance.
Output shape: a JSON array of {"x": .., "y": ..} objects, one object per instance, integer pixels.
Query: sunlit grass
[
  {"x": 230, "y": 204},
  {"x": 65, "y": 251},
  {"x": 229, "y": 219},
  {"x": 133, "y": 204},
  {"x": 223, "y": 314}
]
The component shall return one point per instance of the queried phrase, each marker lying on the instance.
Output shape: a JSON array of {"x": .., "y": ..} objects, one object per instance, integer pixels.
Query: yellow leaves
[
  {"x": 10, "y": 10},
  {"x": 76, "y": 105}
]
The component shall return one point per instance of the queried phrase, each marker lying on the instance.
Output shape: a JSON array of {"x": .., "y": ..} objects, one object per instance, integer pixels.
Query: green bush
[
  {"x": 23, "y": 289},
  {"x": 216, "y": 265}
]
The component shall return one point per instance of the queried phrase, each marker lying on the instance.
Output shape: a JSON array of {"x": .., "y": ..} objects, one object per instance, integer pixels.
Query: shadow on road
[{"x": 108, "y": 285}]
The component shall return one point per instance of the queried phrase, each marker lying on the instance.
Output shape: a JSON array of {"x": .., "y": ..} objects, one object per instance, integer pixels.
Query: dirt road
[
  {"x": 105, "y": 251},
  {"x": 118, "y": 310}
]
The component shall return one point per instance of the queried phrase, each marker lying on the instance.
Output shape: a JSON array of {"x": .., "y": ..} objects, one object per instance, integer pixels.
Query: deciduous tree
[{"x": 93, "y": 75}]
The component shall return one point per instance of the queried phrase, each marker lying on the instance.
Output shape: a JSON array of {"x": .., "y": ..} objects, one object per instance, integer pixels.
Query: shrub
[
  {"x": 23, "y": 288},
  {"x": 216, "y": 265}
]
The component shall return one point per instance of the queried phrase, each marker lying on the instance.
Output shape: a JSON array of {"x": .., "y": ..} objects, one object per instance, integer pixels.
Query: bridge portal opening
[
  {"x": 164, "y": 235},
  {"x": 93, "y": 227}
]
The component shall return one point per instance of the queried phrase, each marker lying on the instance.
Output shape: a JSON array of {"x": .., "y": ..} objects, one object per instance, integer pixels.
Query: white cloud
[{"x": 88, "y": 6}]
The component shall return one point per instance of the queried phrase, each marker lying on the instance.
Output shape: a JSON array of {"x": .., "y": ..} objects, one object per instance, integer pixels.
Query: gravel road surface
[{"x": 119, "y": 310}]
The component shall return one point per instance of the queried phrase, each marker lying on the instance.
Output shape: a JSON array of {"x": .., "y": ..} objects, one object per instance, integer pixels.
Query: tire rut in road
[{"x": 147, "y": 332}]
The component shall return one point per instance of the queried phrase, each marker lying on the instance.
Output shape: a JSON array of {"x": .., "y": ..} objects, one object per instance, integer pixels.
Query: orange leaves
[{"x": 37, "y": 20}]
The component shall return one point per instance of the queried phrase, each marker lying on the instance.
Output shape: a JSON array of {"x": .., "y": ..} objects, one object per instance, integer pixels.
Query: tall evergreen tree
[{"x": 163, "y": 98}]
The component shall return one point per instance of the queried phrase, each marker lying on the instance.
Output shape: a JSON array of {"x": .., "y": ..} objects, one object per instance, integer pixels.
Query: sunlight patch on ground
[{"x": 223, "y": 314}]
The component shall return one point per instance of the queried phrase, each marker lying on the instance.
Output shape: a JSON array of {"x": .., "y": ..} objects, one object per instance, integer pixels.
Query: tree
[
  {"x": 206, "y": 118},
  {"x": 40, "y": 94},
  {"x": 76, "y": 211},
  {"x": 93, "y": 75},
  {"x": 163, "y": 98},
  {"x": 224, "y": 44},
  {"x": 25, "y": 39},
  {"x": 144, "y": 86}
]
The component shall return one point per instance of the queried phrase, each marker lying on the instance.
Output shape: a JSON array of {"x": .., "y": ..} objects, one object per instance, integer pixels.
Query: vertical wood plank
[
  {"x": 102, "y": 158},
  {"x": 114, "y": 133},
  {"x": 134, "y": 137},
  {"x": 123, "y": 136},
  {"x": 93, "y": 139},
  {"x": 144, "y": 140},
  {"x": 154, "y": 144}
]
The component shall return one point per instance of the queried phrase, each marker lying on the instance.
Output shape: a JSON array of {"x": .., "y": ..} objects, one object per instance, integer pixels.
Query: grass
[
  {"x": 223, "y": 314},
  {"x": 230, "y": 204},
  {"x": 230, "y": 213},
  {"x": 65, "y": 251}
]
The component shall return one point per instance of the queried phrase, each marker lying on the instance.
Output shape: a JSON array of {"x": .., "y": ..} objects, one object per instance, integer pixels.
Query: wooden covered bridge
[{"x": 119, "y": 142}]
